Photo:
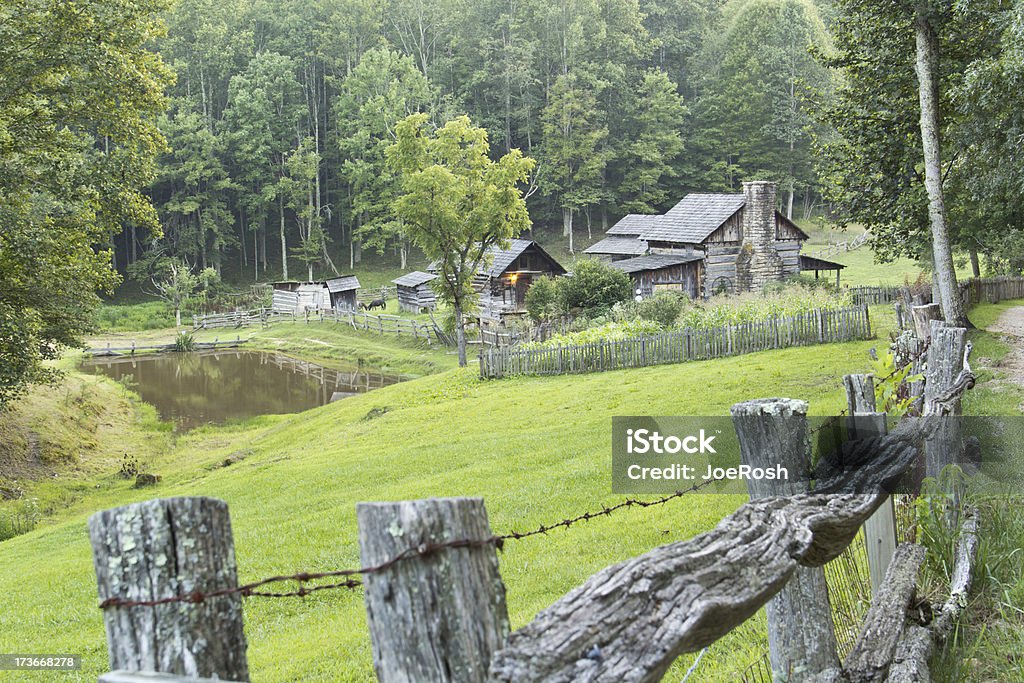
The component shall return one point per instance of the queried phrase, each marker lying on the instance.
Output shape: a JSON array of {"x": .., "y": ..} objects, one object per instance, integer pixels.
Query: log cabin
[{"x": 722, "y": 243}]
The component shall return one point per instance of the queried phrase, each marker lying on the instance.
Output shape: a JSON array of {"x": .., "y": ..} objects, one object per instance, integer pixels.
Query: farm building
[
  {"x": 819, "y": 265},
  {"x": 298, "y": 297},
  {"x": 414, "y": 291},
  {"x": 343, "y": 291},
  {"x": 737, "y": 242},
  {"x": 503, "y": 283},
  {"x": 506, "y": 275},
  {"x": 654, "y": 273}
]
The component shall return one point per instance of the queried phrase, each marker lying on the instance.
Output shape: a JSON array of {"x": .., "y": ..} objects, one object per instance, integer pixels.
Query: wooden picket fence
[
  {"x": 359, "y": 320},
  {"x": 991, "y": 290},
  {"x": 815, "y": 327},
  {"x": 435, "y": 598},
  {"x": 872, "y": 296}
]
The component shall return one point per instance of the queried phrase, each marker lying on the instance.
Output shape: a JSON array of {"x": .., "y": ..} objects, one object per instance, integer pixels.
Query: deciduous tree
[{"x": 458, "y": 204}]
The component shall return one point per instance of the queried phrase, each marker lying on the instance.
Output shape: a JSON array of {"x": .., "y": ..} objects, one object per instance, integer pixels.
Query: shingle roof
[
  {"x": 632, "y": 224},
  {"x": 344, "y": 283},
  {"x": 631, "y": 246},
  {"x": 654, "y": 262},
  {"x": 694, "y": 218},
  {"x": 414, "y": 279},
  {"x": 503, "y": 258}
]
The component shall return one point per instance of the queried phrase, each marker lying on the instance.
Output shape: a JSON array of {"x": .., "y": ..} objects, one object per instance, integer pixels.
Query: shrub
[
  {"x": 542, "y": 298},
  {"x": 593, "y": 288},
  {"x": 663, "y": 308}
]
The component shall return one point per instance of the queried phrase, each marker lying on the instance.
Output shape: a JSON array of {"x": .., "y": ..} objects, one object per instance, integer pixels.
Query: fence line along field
[
  {"x": 815, "y": 327},
  {"x": 436, "y": 601}
]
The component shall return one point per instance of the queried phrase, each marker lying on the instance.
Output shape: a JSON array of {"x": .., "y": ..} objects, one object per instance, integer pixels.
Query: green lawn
[{"x": 536, "y": 449}]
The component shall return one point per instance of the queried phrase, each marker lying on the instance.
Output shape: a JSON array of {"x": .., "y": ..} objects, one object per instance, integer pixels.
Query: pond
[{"x": 192, "y": 389}]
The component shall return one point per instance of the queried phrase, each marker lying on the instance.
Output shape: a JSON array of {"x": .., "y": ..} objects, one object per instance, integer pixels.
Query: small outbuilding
[
  {"x": 299, "y": 297},
  {"x": 654, "y": 273},
  {"x": 818, "y": 265},
  {"x": 342, "y": 292},
  {"x": 414, "y": 291}
]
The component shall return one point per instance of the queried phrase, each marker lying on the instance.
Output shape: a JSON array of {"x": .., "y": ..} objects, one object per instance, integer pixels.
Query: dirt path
[{"x": 1011, "y": 324}]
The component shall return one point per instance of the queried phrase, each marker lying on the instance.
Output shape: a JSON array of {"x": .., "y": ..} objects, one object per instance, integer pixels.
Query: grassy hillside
[{"x": 535, "y": 449}]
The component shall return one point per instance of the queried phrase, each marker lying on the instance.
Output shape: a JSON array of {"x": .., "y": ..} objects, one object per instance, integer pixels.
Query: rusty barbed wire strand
[{"x": 421, "y": 550}]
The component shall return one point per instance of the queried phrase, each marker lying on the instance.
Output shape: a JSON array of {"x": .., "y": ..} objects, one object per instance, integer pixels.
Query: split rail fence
[
  {"x": 816, "y": 327},
  {"x": 359, "y": 320},
  {"x": 436, "y": 602}
]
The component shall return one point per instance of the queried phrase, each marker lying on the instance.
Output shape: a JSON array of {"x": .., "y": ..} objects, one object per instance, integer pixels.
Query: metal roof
[
  {"x": 654, "y": 262},
  {"x": 632, "y": 224},
  {"x": 345, "y": 283},
  {"x": 693, "y": 219},
  {"x": 631, "y": 246},
  {"x": 414, "y": 279}
]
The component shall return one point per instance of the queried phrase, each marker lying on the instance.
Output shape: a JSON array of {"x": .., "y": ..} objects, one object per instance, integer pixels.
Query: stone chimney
[{"x": 763, "y": 261}]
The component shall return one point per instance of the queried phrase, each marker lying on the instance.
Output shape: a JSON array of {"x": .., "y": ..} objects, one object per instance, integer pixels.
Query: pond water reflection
[{"x": 191, "y": 389}]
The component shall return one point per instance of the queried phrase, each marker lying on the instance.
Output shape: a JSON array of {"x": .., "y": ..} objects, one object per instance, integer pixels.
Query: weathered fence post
[
  {"x": 801, "y": 634},
  {"x": 945, "y": 445},
  {"x": 437, "y": 616},
  {"x": 160, "y": 549},
  {"x": 923, "y": 317},
  {"x": 866, "y": 423}
]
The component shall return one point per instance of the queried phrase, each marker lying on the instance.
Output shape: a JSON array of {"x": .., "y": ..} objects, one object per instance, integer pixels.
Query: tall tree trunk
[
  {"x": 927, "y": 75},
  {"x": 975, "y": 263},
  {"x": 284, "y": 242},
  {"x": 460, "y": 333},
  {"x": 567, "y": 226}
]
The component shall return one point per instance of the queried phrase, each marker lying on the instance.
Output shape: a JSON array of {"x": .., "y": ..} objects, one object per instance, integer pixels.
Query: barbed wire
[{"x": 421, "y": 550}]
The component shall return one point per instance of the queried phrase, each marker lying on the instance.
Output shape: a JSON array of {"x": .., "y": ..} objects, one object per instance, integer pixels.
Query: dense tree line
[{"x": 281, "y": 112}]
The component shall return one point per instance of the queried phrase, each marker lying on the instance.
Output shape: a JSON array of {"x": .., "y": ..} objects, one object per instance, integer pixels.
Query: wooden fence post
[
  {"x": 159, "y": 549},
  {"x": 801, "y": 634},
  {"x": 866, "y": 423},
  {"x": 923, "y": 317},
  {"x": 436, "y": 617},
  {"x": 945, "y": 361}
]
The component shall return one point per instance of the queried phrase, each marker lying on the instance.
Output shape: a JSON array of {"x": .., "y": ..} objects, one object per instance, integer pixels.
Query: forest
[
  {"x": 246, "y": 140},
  {"x": 280, "y": 113}
]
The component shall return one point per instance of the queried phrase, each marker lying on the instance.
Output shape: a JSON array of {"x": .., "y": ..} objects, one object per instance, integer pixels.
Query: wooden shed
[
  {"x": 414, "y": 291},
  {"x": 655, "y": 273},
  {"x": 299, "y": 297},
  {"x": 342, "y": 293},
  {"x": 505, "y": 279},
  {"x": 818, "y": 265}
]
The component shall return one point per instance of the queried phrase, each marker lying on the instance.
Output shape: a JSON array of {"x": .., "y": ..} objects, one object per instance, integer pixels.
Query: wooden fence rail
[
  {"x": 872, "y": 296},
  {"x": 365, "y": 296},
  {"x": 815, "y": 327},
  {"x": 359, "y": 320}
]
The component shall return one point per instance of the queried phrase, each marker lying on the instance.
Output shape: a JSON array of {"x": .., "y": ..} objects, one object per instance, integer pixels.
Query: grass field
[{"x": 536, "y": 449}]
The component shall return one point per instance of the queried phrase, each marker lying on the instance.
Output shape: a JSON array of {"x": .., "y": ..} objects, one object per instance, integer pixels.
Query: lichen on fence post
[
  {"x": 436, "y": 616},
  {"x": 160, "y": 549},
  {"x": 801, "y": 635}
]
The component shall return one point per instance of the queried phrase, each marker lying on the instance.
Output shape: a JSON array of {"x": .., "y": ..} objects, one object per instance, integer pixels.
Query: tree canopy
[
  {"x": 79, "y": 99},
  {"x": 457, "y": 203}
]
